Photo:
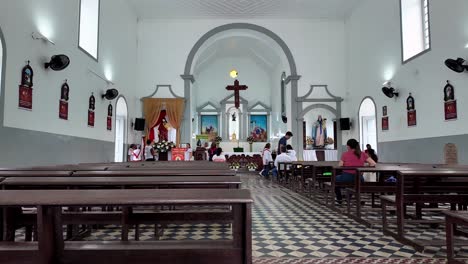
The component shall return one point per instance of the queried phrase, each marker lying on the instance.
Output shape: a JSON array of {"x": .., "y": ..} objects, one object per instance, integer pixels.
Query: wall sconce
[
  {"x": 389, "y": 91},
  {"x": 456, "y": 65},
  {"x": 39, "y": 36}
]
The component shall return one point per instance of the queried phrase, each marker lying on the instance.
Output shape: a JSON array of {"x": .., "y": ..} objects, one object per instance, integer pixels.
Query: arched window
[{"x": 368, "y": 124}]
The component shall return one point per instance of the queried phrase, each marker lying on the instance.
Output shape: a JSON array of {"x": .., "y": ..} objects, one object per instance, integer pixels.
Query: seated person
[
  {"x": 354, "y": 157},
  {"x": 283, "y": 157},
  {"x": 219, "y": 157},
  {"x": 291, "y": 152}
]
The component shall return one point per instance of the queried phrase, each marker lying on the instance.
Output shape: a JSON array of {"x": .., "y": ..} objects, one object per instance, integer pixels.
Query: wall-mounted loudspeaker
[
  {"x": 345, "y": 124},
  {"x": 139, "y": 124}
]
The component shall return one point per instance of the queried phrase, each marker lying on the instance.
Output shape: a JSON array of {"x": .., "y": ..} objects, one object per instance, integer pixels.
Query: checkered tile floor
[{"x": 290, "y": 228}]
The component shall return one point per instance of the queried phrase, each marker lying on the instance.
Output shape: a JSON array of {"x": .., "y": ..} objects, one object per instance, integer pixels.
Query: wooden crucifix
[{"x": 236, "y": 88}]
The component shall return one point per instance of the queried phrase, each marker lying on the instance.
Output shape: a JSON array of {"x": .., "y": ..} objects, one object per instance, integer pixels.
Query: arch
[
  {"x": 314, "y": 106},
  {"x": 2, "y": 75},
  {"x": 360, "y": 122},
  {"x": 121, "y": 129},
  {"x": 189, "y": 78},
  {"x": 219, "y": 29}
]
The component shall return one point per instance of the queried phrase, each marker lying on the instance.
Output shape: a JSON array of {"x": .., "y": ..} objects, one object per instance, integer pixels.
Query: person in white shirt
[
  {"x": 149, "y": 151},
  {"x": 133, "y": 153},
  {"x": 291, "y": 152},
  {"x": 283, "y": 157},
  {"x": 188, "y": 153},
  {"x": 219, "y": 157},
  {"x": 267, "y": 158}
]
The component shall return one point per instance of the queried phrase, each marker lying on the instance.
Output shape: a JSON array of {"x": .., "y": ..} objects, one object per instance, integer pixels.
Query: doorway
[
  {"x": 121, "y": 119},
  {"x": 368, "y": 124}
]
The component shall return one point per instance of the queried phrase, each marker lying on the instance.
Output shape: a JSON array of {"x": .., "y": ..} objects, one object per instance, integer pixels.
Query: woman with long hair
[
  {"x": 354, "y": 157},
  {"x": 267, "y": 158}
]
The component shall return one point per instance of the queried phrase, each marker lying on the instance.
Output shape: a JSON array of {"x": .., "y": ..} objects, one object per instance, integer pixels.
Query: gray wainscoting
[
  {"x": 426, "y": 150},
  {"x": 29, "y": 148}
]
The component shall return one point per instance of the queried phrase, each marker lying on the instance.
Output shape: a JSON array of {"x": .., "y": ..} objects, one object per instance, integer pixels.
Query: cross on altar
[{"x": 236, "y": 88}]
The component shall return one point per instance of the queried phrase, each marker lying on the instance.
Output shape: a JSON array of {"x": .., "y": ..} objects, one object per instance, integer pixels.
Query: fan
[
  {"x": 390, "y": 92},
  {"x": 110, "y": 94},
  {"x": 456, "y": 65},
  {"x": 58, "y": 62}
]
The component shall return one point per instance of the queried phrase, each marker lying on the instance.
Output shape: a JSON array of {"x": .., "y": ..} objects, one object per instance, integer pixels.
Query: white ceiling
[{"x": 174, "y": 9}]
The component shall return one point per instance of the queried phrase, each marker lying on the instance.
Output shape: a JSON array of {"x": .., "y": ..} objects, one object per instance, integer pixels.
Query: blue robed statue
[{"x": 319, "y": 132}]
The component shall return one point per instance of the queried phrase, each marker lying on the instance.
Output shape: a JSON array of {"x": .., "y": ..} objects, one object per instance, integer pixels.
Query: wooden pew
[
  {"x": 424, "y": 186},
  {"x": 32, "y": 173},
  {"x": 221, "y": 182},
  {"x": 51, "y": 247},
  {"x": 452, "y": 220},
  {"x": 159, "y": 172}
]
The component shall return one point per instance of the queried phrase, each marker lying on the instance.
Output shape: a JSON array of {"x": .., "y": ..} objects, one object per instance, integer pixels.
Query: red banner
[{"x": 178, "y": 154}]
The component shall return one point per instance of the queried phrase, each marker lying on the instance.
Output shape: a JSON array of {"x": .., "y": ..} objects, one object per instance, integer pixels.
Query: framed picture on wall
[
  {"x": 258, "y": 128},
  {"x": 385, "y": 123},
  {"x": 209, "y": 126},
  {"x": 412, "y": 118}
]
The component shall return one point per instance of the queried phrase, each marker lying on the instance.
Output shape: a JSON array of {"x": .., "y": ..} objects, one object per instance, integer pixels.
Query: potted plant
[
  {"x": 309, "y": 142},
  {"x": 234, "y": 165},
  {"x": 251, "y": 166},
  {"x": 218, "y": 140}
]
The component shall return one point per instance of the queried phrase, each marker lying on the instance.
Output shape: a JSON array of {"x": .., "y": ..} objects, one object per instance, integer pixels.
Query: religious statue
[
  {"x": 163, "y": 130},
  {"x": 234, "y": 137},
  {"x": 319, "y": 132}
]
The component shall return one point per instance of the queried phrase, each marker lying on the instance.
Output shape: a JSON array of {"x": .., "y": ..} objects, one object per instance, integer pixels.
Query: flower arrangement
[
  {"x": 309, "y": 141},
  {"x": 164, "y": 146},
  {"x": 329, "y": 141},
  {"x": 234, "y": 165},
  {"x": 252, "y": 166},
  {"x": 218, "y": 139},
  {"x": 250, "y": 139}
]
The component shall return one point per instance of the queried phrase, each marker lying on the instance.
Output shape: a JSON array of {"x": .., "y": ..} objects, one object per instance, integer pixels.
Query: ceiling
[
  {"x": 211, "y": 9},
  {"x": 260, "y": 52}
]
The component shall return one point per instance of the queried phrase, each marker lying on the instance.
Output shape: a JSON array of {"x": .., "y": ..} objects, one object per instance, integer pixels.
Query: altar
[{"x": 320, "y": 155}]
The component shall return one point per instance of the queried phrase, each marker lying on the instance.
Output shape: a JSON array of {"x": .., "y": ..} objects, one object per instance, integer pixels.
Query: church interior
[{"x": 244, "y": 131}]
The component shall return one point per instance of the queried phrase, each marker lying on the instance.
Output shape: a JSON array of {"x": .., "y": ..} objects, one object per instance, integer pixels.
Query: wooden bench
[
  {"x": 154, "y": 172},
  {"x": 424, "y": 186},
  {"x": 452, "y": 219},
  {"x": 51, "y": 247},
  {"x": 17, "y": 220}
]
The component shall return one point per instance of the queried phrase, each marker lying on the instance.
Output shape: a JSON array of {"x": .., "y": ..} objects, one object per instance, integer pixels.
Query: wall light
[
  {"x": 100, "y": 77},
  {"x": 39, "y": 36},
  {"x": 466, "y": 46}
]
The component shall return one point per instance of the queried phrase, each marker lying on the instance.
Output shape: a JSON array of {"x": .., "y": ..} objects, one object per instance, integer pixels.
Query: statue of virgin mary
[{"x": 319, "y": 132}]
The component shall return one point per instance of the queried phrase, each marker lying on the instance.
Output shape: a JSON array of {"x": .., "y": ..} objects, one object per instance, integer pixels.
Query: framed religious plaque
[
  {"x": 25, "y": 89},
  {"x": 209, "y": 126},
  {"x": 385, "y": 123},
  {"x": 109, "y": 117},
  {"x": 450, "y": 104},
  {"x": 411, "y": 116},
  {"x": 63, "y": 104},
  {"x": 91, "y": 108}
]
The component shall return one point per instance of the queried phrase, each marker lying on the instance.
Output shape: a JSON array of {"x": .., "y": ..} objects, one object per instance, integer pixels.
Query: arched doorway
[
  {"x": 368, "y": 123},
  {"x": 121, "y": 118},
  {"x": 189, "y": 78}
]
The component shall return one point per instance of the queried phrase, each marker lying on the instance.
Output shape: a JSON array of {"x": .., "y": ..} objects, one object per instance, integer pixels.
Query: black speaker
[
  {"x": 345, "y": 124},
  {"x": 139, "y": 124}
]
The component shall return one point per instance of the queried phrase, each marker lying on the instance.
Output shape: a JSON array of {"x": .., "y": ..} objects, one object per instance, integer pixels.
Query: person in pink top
[{"x": 354, "y": 157}]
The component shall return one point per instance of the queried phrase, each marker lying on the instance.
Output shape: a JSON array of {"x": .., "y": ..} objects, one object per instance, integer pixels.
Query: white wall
[
  {"x": 214, "y": 78},
  {"x": 374, "y": 56},
  {"x": 317, "y": 46},
  {"x": 58, "y": 20}
]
